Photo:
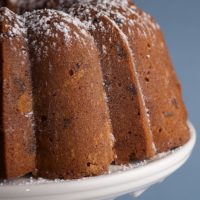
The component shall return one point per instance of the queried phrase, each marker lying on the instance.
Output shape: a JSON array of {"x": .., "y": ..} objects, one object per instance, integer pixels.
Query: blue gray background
[{"x": 180, "y": 22}]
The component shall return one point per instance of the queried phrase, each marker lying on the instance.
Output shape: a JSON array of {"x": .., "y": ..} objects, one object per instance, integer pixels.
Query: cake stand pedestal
[{"x": 133, "y": 179}]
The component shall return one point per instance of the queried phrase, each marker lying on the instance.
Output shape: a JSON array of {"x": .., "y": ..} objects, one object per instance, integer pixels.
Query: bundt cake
[{"x": 84, "y": 84}]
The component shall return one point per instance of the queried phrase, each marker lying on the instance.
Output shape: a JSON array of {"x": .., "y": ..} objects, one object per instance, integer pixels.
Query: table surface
[{"x": 180, "y": 22}]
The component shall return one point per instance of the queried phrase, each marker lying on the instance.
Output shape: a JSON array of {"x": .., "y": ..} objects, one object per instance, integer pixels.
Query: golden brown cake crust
[
  {"x": 73, "y": 130},
  {"x": 126, "y": 104},
  {"x": 163, "y": 97},
  {"x": 164, "y": 106},
  {"x": 72, "y": 126},
  {"x": 18, "y": 150}
]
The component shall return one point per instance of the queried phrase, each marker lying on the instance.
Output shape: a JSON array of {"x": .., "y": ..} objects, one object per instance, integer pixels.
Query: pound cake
[{"x": 84, "y": 84}]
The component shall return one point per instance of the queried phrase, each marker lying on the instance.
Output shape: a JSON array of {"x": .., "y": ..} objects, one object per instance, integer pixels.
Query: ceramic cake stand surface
[{"x": 133, "y": 179}]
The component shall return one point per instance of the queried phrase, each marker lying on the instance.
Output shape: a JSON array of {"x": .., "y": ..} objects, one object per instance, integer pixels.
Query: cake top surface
[
  {"x": 121, "y": 12},
  {"x": 40, "y": 21},
  {"x": 14, "y": 24}
]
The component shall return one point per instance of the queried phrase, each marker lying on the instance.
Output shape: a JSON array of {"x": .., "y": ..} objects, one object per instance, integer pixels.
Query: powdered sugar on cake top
[
  {"x": 120, "y": 11},
  {"x": 48, "y": 22},
  {"x": 14, "y": 24},
  {"x": 41, "y": 22}
]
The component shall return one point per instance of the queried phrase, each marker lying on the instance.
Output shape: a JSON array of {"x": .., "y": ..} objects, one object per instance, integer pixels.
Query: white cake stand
[{"x": 133, "y": 179}]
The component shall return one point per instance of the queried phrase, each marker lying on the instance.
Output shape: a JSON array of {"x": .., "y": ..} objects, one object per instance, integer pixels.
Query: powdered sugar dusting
[
  {"x": 120, "y": 11},
  {"x": 51, "y": 25},
  {"x": 13, "y": 25},
  {"x": 29, "y": 115},
  {"x": 44, "y": 23}
]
